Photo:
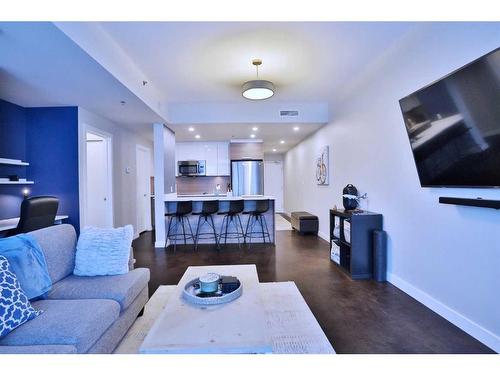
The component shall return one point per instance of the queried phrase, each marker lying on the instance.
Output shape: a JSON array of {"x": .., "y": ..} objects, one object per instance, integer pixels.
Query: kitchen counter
[
  {"x": 250, "y": 202},
  {"x": 173, "y": 197}
]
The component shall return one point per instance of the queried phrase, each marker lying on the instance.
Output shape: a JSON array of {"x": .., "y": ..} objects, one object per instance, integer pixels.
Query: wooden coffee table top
[{"x": 235, "y": 327}]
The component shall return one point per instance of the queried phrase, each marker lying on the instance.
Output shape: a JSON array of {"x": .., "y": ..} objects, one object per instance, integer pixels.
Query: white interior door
[
  {"x": 273, "y": 182},
  {"x": 143, "y": 163},
  {"x": 98, "y": 200}
]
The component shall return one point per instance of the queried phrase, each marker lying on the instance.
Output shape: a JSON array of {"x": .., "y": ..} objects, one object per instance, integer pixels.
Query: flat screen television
[{"x": 454, "y": 126}]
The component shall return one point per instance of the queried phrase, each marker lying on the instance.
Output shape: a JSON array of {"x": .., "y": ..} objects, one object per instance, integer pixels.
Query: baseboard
[
  {"x": 324, "y": 236},
  {"x": 159, "y": 244},
  {"x": 480, "y": 333}
]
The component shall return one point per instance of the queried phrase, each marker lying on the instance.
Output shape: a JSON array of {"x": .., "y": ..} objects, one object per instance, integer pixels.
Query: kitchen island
[{"x": 172, "y": 199}]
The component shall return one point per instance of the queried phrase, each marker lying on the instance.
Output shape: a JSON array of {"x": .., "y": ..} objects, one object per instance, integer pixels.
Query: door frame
[
  {"x": 149, "y": 226},
  {"x": 108, "y": 138},
  {"x": 266, "y": 162}
]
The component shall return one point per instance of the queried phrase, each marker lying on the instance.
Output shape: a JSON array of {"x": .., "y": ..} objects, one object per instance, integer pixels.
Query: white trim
[
  {"x": 82, "y": 172},
  {"x": 487, "y": 337},
  {"x": 159, "y": 174},
  {"x": 137, "y": 183}
]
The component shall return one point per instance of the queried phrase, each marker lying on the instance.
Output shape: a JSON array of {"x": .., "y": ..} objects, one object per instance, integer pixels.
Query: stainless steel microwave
[{"x": 191, "y": 168}]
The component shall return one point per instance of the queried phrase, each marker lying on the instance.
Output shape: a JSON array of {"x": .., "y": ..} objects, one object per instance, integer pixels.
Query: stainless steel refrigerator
[{"x": 247, "y": 177}]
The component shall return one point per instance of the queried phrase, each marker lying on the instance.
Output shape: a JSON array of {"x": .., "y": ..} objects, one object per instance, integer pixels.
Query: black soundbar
[{"x": 475, "y": 202}]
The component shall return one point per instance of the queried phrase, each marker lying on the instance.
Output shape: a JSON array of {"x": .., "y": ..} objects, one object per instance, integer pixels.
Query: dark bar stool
[
  {"x": 208, "y": 208},
  {"x": 179, "y": 218},
  {"x": 232, "y": 215},
  {"x": 257, "y": 216}
]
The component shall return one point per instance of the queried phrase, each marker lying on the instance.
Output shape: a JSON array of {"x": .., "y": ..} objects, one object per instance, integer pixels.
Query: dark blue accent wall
[
  {"x": 12, "y": 146},
  {"x": 52, "y": 151},
  {"x": 47, "y": 138}
]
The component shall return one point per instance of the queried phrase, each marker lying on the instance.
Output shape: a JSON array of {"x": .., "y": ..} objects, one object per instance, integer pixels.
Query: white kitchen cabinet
[
  {"x": 223, "y": 162},
  {"x": 215, "y": 154},
  {"x": 210, "y": 156}
]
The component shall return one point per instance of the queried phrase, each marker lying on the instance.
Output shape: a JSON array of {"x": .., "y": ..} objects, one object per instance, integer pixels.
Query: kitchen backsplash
[{"x": 201, "y": 184}]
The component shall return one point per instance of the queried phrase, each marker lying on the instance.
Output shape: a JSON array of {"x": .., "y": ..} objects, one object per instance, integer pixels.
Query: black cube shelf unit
[{"x": 356, "y": 256}]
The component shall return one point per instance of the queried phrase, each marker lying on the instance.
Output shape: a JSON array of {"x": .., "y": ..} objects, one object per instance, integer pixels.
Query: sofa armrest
[{"x": 131, "y": 260}]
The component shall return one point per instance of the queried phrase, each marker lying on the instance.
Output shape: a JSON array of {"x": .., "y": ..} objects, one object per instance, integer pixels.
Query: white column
[{"x": 159, "y": 173}]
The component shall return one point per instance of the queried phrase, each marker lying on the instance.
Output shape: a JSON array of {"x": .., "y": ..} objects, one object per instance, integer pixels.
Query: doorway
[
  {"x": 98, "y": 180},
  {"x": 143, "y": 175},
  {"x": 273, "y": 182}
]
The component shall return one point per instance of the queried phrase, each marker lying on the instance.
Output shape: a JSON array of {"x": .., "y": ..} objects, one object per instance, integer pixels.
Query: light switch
[{"x": 127, "y": 170}]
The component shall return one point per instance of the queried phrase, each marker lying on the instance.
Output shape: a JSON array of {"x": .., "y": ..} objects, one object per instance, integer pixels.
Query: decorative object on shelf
[
  {"x": 350, "y": 197},
  {"x": 257, "y": 89},
  {"x": 323, "y": 167},
  {"x": 13, "y": 177},
  {"x": 26, "y": 193},
  {"x": 212, "y": 289},
  {"x": 209, "y": 283}
]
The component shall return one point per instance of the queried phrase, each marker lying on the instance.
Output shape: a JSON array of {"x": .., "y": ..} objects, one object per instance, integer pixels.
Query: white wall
[
  {"x": 124, "y": 156},
  {"x": 448, "y": 257}
]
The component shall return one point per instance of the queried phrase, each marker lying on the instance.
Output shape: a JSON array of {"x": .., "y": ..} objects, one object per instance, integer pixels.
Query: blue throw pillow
[
  {"x": 103, "y": 251},
  {"x": 27, "y": 261},
  {"x": 15, "y": 309}
]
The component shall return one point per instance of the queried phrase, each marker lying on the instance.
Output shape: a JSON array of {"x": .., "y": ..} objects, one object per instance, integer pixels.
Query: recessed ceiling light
[
  {"x": 257, "y": 89},
  {"x": 252, "y": 135},
  {"x": 191, "y": 129},
  {"x": 255, "y": 128},
  {"x": 282, "y": 142},
  {"x": 197, "y": 136},
  {"x": 274, "y": 150},
  {"x": 296, "y": 128}
]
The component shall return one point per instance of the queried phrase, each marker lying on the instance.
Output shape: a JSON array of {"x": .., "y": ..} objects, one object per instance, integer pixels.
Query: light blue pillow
[
  {"x": 27, "y": 261},
  {"x": 15, "y": 309},
  {"x": 101, "y": 251}
]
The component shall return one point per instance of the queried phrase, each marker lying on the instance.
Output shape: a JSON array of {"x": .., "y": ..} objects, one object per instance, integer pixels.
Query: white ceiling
[
  {"x": 191, "y": 63},
  {"x": 271, "y": 134},
  {"x": 209, "y": 61},
  {"x": 40, "y": 66}
]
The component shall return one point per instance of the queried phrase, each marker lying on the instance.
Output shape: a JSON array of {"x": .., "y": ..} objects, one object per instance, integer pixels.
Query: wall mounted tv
[{"x": 454, "y": 126}]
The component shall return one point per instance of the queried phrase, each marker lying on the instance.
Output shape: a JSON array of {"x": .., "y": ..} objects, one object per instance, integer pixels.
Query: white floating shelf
[
  {"x": 13, "y": 162},
  {"x": 5, "y": 181}
]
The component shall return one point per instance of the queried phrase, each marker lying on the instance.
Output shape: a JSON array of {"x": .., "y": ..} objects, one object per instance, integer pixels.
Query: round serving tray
[{"x": 192, "y": 290}]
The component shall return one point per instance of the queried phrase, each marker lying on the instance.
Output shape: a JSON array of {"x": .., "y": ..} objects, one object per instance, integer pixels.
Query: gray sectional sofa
[{"x": 81, "y": 314}]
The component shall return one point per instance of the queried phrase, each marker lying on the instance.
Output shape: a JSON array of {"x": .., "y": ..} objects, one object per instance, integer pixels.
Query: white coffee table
[{"x": 235, "y": 327}]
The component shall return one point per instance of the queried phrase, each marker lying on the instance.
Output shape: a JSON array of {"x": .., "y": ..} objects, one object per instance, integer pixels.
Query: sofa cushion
[
  {"x": 58, "y": 244},
  {"x": 121, "y": 288},
  {"x": 103, "y": 251},
  {"x": 15, "y": 309},
  {"x": 79, "y": 323}
]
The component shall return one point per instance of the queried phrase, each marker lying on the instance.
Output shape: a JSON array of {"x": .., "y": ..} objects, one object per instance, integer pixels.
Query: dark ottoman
[{"x": 305, "y": 222}]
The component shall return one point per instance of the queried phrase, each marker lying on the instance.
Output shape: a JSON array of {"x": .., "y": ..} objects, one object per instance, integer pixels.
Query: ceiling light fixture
[
  {"x": 257, "y": 89},
  {"x": 255, "y": 128},
  {"x": 191, "y": 129},
  {"x": 252, "y": 135},
  {"x": 274, "y": 150},
  {"x": 296, "y": 128},
  {"x": 197, "y": 136},
  {"x": 282, "y": 142}
]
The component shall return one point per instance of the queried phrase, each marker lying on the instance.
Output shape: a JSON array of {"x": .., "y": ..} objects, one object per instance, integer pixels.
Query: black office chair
[{"x": 36, "y": 213}]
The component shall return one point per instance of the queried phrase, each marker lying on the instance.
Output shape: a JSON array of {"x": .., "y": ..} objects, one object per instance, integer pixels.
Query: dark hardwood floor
[{"x": 356, "y": 316}]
